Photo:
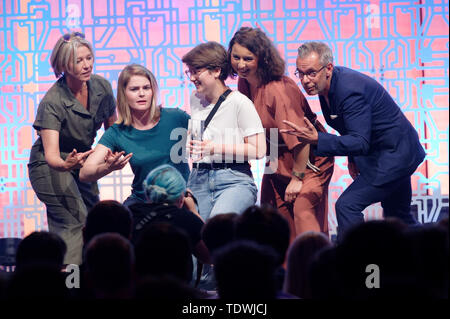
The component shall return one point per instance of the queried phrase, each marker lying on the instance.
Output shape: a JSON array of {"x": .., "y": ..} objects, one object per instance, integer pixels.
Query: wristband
[{"x": 300, "y": 176}]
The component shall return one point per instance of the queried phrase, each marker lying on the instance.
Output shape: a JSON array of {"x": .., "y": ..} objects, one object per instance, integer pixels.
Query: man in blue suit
[{"x": 382, "y": 146}]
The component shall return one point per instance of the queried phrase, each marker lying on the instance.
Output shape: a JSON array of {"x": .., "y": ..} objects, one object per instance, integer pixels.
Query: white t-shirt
[{"x": 235, "y": 119}]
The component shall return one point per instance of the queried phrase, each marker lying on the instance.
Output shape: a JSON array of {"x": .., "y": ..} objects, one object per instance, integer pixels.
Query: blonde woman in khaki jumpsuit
[{"x": 67, "y": 120}]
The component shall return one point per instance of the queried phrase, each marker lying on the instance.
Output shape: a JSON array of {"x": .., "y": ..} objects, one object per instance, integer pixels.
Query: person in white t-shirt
[{"x": 221, "y": 178}]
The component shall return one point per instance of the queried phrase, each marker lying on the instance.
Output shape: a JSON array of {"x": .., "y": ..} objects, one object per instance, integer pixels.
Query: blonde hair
[
  {"x": 122, "y": 102},
  {"x": 64, "y": 54}
]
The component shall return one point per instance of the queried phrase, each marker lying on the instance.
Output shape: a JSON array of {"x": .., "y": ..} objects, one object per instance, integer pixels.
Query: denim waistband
[
  {"x": 236, "y": 166},
  {"x": 240, "y": 167}
]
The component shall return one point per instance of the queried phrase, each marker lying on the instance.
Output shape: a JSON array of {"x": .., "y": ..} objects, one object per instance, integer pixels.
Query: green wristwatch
[{"x": 300, "y": 176}]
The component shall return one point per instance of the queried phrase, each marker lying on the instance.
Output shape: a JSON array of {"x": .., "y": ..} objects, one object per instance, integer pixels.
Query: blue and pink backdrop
[{"x": 402, "y": 44}]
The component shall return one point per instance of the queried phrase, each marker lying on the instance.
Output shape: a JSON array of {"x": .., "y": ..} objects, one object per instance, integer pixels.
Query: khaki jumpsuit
[{"x": 66, "y": 198}]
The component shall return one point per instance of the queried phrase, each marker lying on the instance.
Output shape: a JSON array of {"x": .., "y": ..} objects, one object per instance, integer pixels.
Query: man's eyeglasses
[
  {"x": 68, "y": 37},
  {"x": 195, "y": 72},
  {"x": 310, "y": 74}
]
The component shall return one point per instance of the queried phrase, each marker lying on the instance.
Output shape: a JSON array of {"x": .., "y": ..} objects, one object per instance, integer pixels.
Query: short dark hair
[
  {"x": 245, "y": 270},
  {"x": 41, "y": 247},
  {"x": 108, "y": 216},
  {"x": 164, "y": 249},
  {"x": 109, "y": 260},
  {"x": 266, "y": 226},
  {"x": 209, "y": 55},
  {"x": 219, "y": 231}
]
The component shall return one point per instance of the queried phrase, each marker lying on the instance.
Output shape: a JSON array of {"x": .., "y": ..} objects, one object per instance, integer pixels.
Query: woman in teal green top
[{"x": 146, "y": 135}]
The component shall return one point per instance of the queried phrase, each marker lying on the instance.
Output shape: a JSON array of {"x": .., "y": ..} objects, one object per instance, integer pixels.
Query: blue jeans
[{"x": 222, "y": 191}]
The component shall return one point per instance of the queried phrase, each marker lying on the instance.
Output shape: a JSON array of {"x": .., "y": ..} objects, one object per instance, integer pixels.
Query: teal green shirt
[{"x": 163, "y": 144}]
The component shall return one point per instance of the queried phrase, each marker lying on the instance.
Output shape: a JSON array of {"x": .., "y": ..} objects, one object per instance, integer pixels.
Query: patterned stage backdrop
[{"x": 402, "y": 44}]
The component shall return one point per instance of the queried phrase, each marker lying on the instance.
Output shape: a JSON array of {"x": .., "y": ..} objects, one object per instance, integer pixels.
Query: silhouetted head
[
  {"x": 299, "y": 257},
  {"x": 38, "y": 281},
  {"x": 41, "y": 248},
  {"x": 265, "y": 226},
  {"x": 107, "y": 216},
  {"x": 109, "y": 259},
  {"x": 429, "y": 246},
  {"x": 219, "y": 231},
  {"x": 372, "y": 246},
  {"x": 163, "y": 249},
  {"x": 245, "y": 270}
]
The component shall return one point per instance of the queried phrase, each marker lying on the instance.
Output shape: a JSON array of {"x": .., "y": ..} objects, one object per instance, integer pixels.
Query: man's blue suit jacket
[{"x": 374, "y": 131}]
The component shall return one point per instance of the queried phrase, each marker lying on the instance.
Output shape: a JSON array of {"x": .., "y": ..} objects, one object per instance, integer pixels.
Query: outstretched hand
[
  {"x": 117, "y": 160},
  {"x": 76, "y": 160},
  {"x": 306, "y": 134}
]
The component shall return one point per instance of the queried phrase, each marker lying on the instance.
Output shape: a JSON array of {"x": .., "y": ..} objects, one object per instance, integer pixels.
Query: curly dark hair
[{"x": 271, "y": 66}]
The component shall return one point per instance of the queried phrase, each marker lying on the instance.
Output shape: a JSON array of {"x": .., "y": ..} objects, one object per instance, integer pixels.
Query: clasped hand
[
  {"x": 199, "y": 149},
  {"x": 293, "y": 189}
]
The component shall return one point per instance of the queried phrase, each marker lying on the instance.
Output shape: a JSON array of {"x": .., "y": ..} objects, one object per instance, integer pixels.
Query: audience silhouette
[
  {"x": 163, "y": 249},
  {"x": 299, "y": 257},
  {"x": 380, "y": 259},
  {"x": 109, "y": 259},
  {"x": 107, "y": 216},
  {"x": 41, "y": 248},
  {"x": 219, "y": 231},
  {"x": 245, "y": 270},
  {"x": 266, "y": 226}
]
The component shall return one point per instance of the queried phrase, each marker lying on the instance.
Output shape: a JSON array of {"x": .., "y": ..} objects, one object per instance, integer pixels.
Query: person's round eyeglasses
[
  {"x": 310, "y": 74},
  {"x": 194, "y": 73}
]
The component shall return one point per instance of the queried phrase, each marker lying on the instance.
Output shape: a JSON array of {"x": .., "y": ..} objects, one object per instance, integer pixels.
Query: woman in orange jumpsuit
[{"x": 295, "y": 181}]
